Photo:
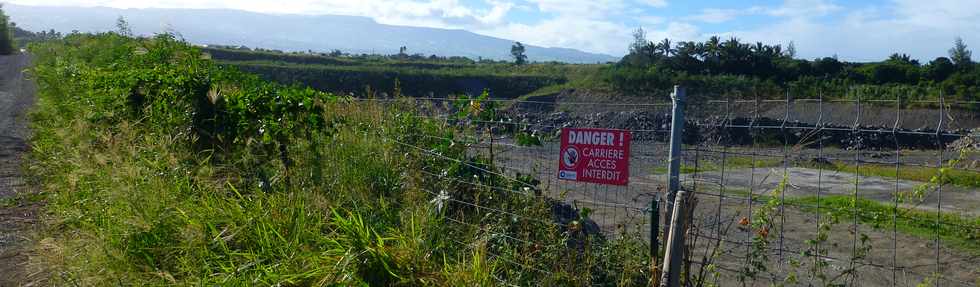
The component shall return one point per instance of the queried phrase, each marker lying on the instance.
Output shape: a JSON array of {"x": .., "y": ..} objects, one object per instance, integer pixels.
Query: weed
[{"x": 161, "y": 168}]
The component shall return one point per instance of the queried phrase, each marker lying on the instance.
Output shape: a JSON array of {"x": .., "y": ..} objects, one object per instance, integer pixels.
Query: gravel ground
[
  {"x": 623, "y": 209},
  {"x": 16, "y": 217},
  {"x": 808, "y": 111}
]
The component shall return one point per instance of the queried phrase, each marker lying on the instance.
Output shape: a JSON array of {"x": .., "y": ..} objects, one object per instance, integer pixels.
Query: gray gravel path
[{"x": 17, "y": 218}]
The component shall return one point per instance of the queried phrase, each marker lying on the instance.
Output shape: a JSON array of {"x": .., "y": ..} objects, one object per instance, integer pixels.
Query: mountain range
[{"x": 322, "y": 33}]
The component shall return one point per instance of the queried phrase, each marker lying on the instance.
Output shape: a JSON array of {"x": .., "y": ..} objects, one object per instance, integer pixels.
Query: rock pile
[
  {"x": 970, "y": 141},
  {"x": 742, "y": 131}
]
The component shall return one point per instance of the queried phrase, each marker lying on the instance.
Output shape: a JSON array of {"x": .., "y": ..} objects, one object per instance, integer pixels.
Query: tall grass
[{"x": 159, "y": 167}]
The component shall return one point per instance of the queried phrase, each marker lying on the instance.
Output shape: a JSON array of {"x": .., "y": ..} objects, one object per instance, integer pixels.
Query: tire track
[{"x": 17, "y": 216}]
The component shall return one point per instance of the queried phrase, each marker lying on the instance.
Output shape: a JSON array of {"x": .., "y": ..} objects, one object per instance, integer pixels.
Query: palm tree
[
  {"x": 712, "y": 45},
  {"x": 760, "y": 48},
  {"x": 688, "y": 56},
  {"x": 734, "y": 56},
  {"x": 665, "y": 48},
  {"x": 686, "y": 49},
  {"x": 701, "y": 50},
  {"x": 710, "y": 53},
  {"x": 778, "y": 50}
]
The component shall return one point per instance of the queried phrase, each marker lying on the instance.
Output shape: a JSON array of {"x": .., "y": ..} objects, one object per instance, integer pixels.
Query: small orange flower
[
  {"x": 744, "y": 221},
  {"x": 764, "y": 232}
]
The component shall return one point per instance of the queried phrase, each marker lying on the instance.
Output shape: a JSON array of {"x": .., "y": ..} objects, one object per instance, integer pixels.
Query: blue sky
[{"x": 852, "y": 30}]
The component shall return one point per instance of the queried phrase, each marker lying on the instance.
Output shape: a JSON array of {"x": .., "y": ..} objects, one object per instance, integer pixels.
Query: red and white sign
[{"x": 595, "y": 155}]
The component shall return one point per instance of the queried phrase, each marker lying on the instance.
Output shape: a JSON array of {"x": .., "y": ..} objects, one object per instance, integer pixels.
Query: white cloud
[
  {"x": 924, "y": 30},
  {"x": 941, "y": 14},
  {"x": 714, "y": 15},
  {"x": 804, "y": 8},
  {"x": 655, "y": 3},
  {"x": 435, "y": 13},
  {"x": 650, "y": 20},
  {"x": 585, "y": 34},
  {"x": 789, "y": 8},
  {"x": 590, "y": 25},
  {"x": 682, "y": 31},
  {"x": 589, "y": 9},
  {"x": 581, "y": 24},
  {"x": 591, "y": 35}
]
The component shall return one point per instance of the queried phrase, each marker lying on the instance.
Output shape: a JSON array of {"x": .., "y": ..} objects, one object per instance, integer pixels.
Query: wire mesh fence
[
  {"x": 818, "y": 203},
  {"x": 782, "y": 192}
]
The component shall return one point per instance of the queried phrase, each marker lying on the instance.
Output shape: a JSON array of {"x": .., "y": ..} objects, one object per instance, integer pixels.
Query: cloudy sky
[{"x": 853, "y": 30}]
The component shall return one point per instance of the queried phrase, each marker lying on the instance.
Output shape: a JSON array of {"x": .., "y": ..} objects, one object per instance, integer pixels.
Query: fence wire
[{"x": 812, "y": 192}]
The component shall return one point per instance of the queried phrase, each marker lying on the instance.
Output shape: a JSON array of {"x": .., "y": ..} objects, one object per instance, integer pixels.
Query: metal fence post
[
  {"x": 654, "y": 230},
  {"x": 674, "y": 256},
  {"x": 674, "y": 228},
  {"x": 676, "y": 139}
]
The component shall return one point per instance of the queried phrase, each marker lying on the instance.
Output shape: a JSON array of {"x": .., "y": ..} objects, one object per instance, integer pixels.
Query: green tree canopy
[
  {"x": 960, "y": 55},
  {"x": 517, "y": 51},
  {"x": 721, "y": 64},
  {"x": 6, "y": 34},
  {"x": 940, "y": 69}
]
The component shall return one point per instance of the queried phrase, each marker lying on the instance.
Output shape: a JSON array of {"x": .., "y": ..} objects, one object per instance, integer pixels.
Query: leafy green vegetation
[
  {"x": 724, "y": 66},
  {"x": 420, "y": 82},
  {"x": 710, "y": 70},
  {"x": 685, "y": 169},
  {"x": 159, "y": 167},
  {"x": 955, "y": 176},
  {"x": 7, "y": 42},
  {"x": 956, "y": 230},
  {"x": 731, "y": 162},
  {"x": 23, "y": 37},
  {"x": 416, "y": 76},
  {"x": 517, "y": 51},
  {"x": 961, "y": 177}
]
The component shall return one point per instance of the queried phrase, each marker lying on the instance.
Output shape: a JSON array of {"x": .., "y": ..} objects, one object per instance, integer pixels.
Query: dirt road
[
  {"x": 17, "y": 216},
  {"x": 915, "y": 258}
]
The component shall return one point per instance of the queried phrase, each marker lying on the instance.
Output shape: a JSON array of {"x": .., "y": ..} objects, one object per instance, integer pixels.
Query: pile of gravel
[
  {"x": 550, "y": 124},
  {"x": 970, "y": 141},
  {"x": 737, "y": 131}
]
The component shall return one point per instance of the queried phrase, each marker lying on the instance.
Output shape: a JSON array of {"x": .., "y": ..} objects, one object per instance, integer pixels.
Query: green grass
[
  {"x": 959, "y": 177},
  {"x": 277, "y": 185},
  {"x": 731, "y": 162},
  {"x": 685, "y": 169},
  {"x": 159, "y": 167},
  {"x": 21, "y": 198},
  {"x": 956, "y": 230},
  {"x": 418, "y": 76},
  {"x": 953, "y": 176},
  {"x": 959, "y": 231}
]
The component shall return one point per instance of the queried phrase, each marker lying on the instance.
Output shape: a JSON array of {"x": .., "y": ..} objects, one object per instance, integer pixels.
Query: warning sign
[{"x": 595, "y": 155}]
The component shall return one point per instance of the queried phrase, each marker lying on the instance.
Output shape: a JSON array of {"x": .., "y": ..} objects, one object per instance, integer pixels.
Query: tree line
[
  {"x": 651, "y": 65},
  {"x": 714, "y": 66},
  {"x": 7, "y": 42},
  {"x": 13, "y": 37}
]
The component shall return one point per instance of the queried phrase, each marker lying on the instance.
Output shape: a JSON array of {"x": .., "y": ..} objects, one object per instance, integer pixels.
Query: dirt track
[
  {"x": 617, "y": 209},
  {"x": 17, "y": 216}
]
